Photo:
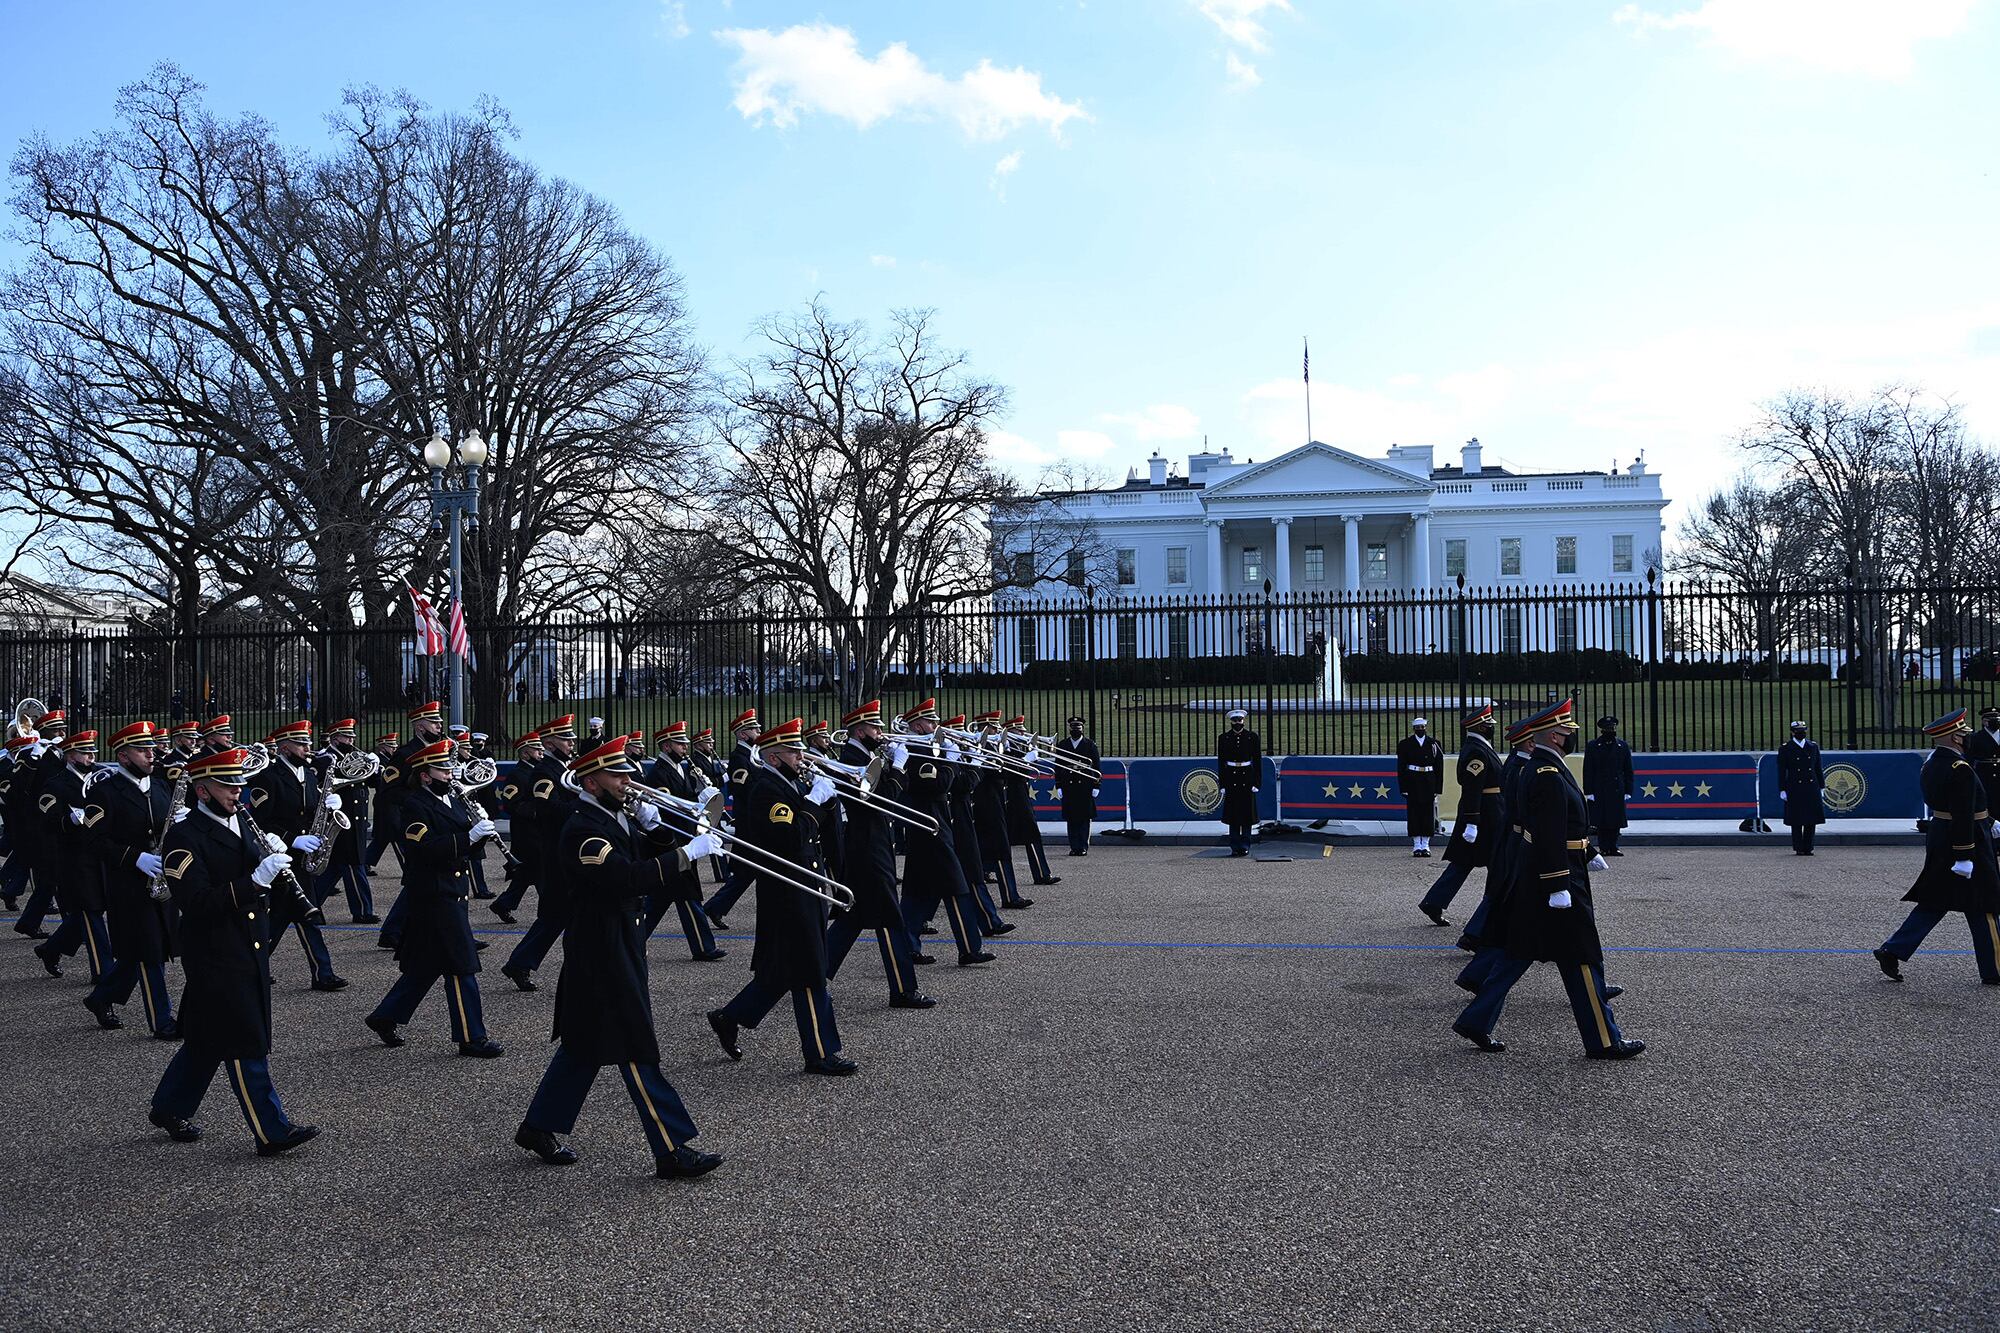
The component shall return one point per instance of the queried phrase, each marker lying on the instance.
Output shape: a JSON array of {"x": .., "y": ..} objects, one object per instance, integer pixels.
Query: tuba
[{"x": 27, "y": 713}]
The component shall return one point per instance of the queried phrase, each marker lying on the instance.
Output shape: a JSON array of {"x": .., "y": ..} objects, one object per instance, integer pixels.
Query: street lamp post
[{"x": 455, "y": 493}]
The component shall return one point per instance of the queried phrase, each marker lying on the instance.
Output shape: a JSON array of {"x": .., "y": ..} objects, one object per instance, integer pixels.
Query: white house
[{"x": 1324, "y": 524}]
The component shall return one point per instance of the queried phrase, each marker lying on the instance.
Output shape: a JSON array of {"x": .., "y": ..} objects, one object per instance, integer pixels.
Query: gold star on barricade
[
  {"x": 1355, "y": 790},
  {"x": 1650, "y": 789},
  {"x": 1676, "y": 789},
  {"x": 1331, "y": 789},
  {"x": 1702, "y": 789},
  {"x": 1382, "y": 790}
]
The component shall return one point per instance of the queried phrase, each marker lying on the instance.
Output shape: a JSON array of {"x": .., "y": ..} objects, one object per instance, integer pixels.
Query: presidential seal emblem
[
  {"x": 1200, "y": 792},
  {"x": 1845, "y": 788}
]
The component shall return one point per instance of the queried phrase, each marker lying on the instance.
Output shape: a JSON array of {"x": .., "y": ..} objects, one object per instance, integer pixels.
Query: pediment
[{"x": 1317, "y": 469}]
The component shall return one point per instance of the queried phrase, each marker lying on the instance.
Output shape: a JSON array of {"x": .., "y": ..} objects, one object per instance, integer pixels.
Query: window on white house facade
[
  {"x": 1128, "y": 567},
  {"x": 1454, "y": 557},
  {"x": 1030, "y": 640},
  {"x": 1253, "y": 564},
  {"x": 1621, "y": 553},
  {"x": 1375, "y": 565},
  {"x": 1510, "y": 557},
  {"x": 1315, "y": 564},
  {"x": 1565, "y": 555},
  {"x": 1177, "y": 566}
]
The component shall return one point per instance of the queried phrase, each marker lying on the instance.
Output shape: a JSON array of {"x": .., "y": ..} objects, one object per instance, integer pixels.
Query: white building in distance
[{"x": 1383, "y": 536}]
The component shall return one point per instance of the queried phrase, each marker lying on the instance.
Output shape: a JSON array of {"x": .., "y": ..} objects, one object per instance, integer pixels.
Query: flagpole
[{"x": 1307, "y": 365}]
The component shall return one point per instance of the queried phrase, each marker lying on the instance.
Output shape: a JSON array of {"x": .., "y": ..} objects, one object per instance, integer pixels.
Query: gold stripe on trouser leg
[
  {"x": 146, "y": 995},
  {"x": 90, "y": 943},
  {"x": 889, "y": 952},
  {"x": 646, "y": 1100},
  {"x": 1993, "y": 934},
  {"x": 458, "y": 1011},
  {"x": 243, "y": 1095},
  {"x": 957, "y": 922},
  {"x": 312, "y": 963},
  {"x": 812, "y": 1014},
  {"x": 1596, "y": 1005}
]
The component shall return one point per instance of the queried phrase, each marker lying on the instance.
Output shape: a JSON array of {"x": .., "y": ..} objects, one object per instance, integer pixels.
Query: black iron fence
[{"x": 1684, "y": 667}]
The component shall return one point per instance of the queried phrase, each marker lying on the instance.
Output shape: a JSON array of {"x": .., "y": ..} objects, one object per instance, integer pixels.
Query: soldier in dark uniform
[
  {"x": 779, "y": 812},
  {"x": 1982, "y": 747},
  {"x": 933, "y": 872},
  {"x": 426, "y": 728},
  {"x": 833, "y": 832},
  {"x": 1607, "y": 783},
  {"x": 608, "y": 855},
  {"x": 1420, "y": 778},
  {"x": 345, "y": 867},
  {"x": 33, "y": 770},
  {"x": 870, "y": 868},
  {"x": 734, "y": 881},
  {"x": 1959, "y": 874},
  {"x": 1239, "y": 768},
  {"x": 1802, "y": 783},
  {"x": 133, "y": 808},
  {"x": 14, "y": 874},
  {"x": 1479, "y": 826},
  {"x": 1079, "y": 791},
  {"x": 24, "y": 818},
  {"x": 1023, "y": 829},
  {"x": 713, "y": 773},
  {"x": 1547, "y": 914},
  {"x": 439, "y": 834},
  {"x": 672, "y": 773},
  {"x": 384, "y": 792},
  {"x": 516, "y": 792},
  {"x": 284, "y": 798},
  {"x": 549, "y": 803},
  {"x": 461, "y": 754},
  {"x": 66, "y": 843},
  {"x": 221, "y": 882},
  {"x": 989, "y": 813},
  {"x": 1506, "y": 859},
  {"x": 966, "y": 772}
]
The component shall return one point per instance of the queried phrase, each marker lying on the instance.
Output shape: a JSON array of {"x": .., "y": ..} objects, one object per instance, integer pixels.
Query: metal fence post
[
  {"x": 1458, "y": 648},
  {"x": 1269, "y": 648},
  {"x": 1853, "y": 666},
  {"x": 763, "y": 615},
  {"x": 1652, "y": 658}
]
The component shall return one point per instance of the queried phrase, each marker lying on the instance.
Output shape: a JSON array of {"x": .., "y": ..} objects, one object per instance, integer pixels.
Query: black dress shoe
[
  {"x": 329, "y": 983},
  {"x": 106, "y": 1019},
  {"x": 1613, "y": 992},
  {"x": 1483, "y": 1041},
  {"x": 1076, "y": 853},
  {"x": 545, "y": 1146},
  {"x": 368, "y": 919},
  {"x": 717, "y": 922},
  {"x": 1238, "y": 852},
  {"x": 713, "y": 955},
  {"x": 1892, "y": 966},
  {"x": 49, "y": 963},
  {"x": 482, "y": 945},
  {"x": 502, "y": 912},
  {"x": 914, "y": 1000},
  {"x": 483, "y": 1049},
  {"x": 31, "y": 934},
  {"x": 967, "y": 960},
  {"x": 1436, "y": 914},
  {"x": 1624, "y": 1050},
  {"x": 1051, "y": 879},
  {"x": 839, "y": 1066},
  {"x": 383, "y": 942},
  {"x": 180, "y": 1131},
  {"x": 922, "y": 959},
  {"x": 725, "y": 1032},
  {"x": 1002, "y": 928},
  {"x": 380, "y": 1025},
  {"x": 685, "y": 1163},
  {"x": 1468, "y": 943},
  {"x": 928, "y": 930},
  {"x": 1420, "y": 852},
  {"x": 11, "y": 904},
  {"x": 278, "y": 1147},
  {"x": 522, "y": 980},
  {"x": 1469, "y": 987},
  {"x": 1019, "y": 902},
  {"x": 168, "y": 1031}
]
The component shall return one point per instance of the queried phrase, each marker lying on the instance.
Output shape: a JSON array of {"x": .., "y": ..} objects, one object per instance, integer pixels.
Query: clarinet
[{"x": 307, "y": 912}]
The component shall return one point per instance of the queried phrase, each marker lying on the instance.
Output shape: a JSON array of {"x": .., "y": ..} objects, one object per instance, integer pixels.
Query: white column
[
  {"x": 1215, "y": 570},
  {"x": 1353, "y": 636},
  {"x": 1420, "y": 550},
  {"x": 1282, "y": 580}
]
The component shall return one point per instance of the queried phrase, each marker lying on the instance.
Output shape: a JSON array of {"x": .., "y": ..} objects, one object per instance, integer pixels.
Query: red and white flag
[
  {"x": 430, "y": 631},
  {"x": 461, "y": 642}
]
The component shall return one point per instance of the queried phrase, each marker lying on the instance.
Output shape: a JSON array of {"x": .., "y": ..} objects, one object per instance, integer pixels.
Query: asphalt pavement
[{"x": 1192, "y": 1094}]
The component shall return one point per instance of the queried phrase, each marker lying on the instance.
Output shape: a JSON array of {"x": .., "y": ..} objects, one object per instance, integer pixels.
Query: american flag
[
  {"x": 430, "y": 631},
  {"x": 461, "y": 642}
]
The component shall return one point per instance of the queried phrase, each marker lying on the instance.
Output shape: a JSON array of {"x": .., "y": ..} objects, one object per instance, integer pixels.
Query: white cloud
[
  {"x": 1405, "y": 410},
  {"x": 882, "y": 261},
  {"x": 1242, "y": 73},
  {"x": 816, "y": 68},
  {"x": 1084, "y": 443},
  {"x": 673, "y": 18},
  {"x": 1869, "y": 37},
  {"x": 1160, "y": 421},
  {"x": 1009, "y": 449},
  {"x": 1002, "y": 169},
  {"x": 1241, "y": 21}
]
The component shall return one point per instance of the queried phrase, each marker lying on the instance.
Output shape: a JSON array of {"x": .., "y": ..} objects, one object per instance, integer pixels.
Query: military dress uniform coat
[
  {"x": 931, "y": 859},
  {"x": 1022, "y": 828},
  {"x": 1956, "y": 831},
  {"x": 1983, "y": 749},
  {"x": 1079, "y": 791},
  {"x": 678, "y": 779},
  {"x": 870, "y": 866},
  {"x": 1479, "y": 803},
  {"x": 1555, "y": 855},
  {"x": 285, "y": 804},
  {"x": 79, "y": 886},
  {"x": 773, "y": 814},
  {"x": 437, "y": 877},
  {"x": 989, "y": 813},
  {"x": 554, "y": 802},
  {"x": 1420, "y": 778},
  {"x": 608, "y": 868},
  {"x": 1803, "y": 781},
  {"x": 1607, "y": 779},
  {"x": 225, "y": 939},
  {"x": 129, "y": 822},
  {"x": 1239, "y": 767}
]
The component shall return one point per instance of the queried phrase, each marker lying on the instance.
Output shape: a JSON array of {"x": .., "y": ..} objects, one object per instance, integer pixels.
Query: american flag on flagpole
[
  {"x": 461, "y": 642},
  {"x": 430, "y": 631}
]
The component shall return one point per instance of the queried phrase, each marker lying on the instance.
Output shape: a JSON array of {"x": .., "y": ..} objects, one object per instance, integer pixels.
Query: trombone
[
  {"x": 857, "y": 784},
  {"x": 707, "y": 817},
  {"x": 990, "y": 749},
  {"x": 1045, "y": 748}
]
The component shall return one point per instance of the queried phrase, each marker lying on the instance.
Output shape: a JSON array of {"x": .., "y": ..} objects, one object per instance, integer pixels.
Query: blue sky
[{"x": 1575, "y": 228}]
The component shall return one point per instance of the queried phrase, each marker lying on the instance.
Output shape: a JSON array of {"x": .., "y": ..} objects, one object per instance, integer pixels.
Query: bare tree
[
  {"x": 1765, "y": 542},
  {"x": 1945, "y": 510}
]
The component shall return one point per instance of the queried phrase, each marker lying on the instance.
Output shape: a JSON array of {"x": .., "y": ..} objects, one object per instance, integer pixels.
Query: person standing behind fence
[
  {"x": 1607, "y": 782},
  {"x": 1801, "y": 781},
  {"x": 1079, "y": 790},
  {"x": 1420, "y": 777},
  {"x": 1239, "y": 768}
]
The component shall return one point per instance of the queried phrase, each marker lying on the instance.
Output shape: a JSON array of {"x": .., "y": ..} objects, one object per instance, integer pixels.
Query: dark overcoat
[
  {"x": 604, "y": 1003},
  {"x": 1956, "y": 831},
  {"x": 1555, "y": 856},
  {"x": 1079, "y": 790},
  {"x": 1479, "y": 803},
  {"x": 1239, "y": 768},
  {"x": 225, "y": 937},
  {"x": 773, "y": 814},
  {"x": 1802, "y": 779},
  {"x": 437, "y": 881},
  {"x": 1607, "y": 780},
  {"x": 870, "y": 867},
  {"x": 127, "y": 822}
]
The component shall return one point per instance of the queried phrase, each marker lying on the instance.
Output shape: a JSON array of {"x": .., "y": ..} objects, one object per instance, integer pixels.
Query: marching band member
[
  {"x": 965, "y": 778},
  {"x": 1477, "y": 828},
  {"x": 24, "y": 818},
  {"x": 439, "y": 838},
  {"x": 346, "y": 868},
  {"x": 780, "y": 810},
  {"x": 833, "y": 834},
  {"x": 132, "y": 809},
  {"x": 382, "y": 815},
  {"x": 870, "y": 867},
  {"x": 989, "y": 815},
  {"x": 284, "y": 799},
  {"x": 672, "y": 772},
  {"x": 524, "y": 830},
  {"x": 933, "y": 874},
  {"x": 220, "y": 879},
  {"x": 462, "y": 753},
  {"x": 608, "y": 858},
  {"x": 548, "y": 808},
  {"x": 714, "y": 773},
  {"x": 66, "y": 832},
  {"x": 735, "y": 880},
  {"x": 426, "y": 728},
  {"x": 14, "y": 874},
  {"x": 217, "y": 734},
  {"x": 1959, "y": 874},
  {"x": 1023, "y": 829}
]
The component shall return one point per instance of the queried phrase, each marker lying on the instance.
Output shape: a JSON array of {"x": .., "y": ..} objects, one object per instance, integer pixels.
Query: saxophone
[
  {"x": 156, "y": 883},
  {"x": 356, "y": 766}
]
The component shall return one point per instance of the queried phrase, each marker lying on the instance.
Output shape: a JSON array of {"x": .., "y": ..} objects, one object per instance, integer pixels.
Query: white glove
[
  {"x": 1597, "y": 863},
  {"x": 305, "y": 843},
  {"x": 269, "y": 869},
  {"x": 700, "y": 845},
  {"x": 1560, "y": 898},
  {"x": 1589, "y": 798},
  {"x": 1093, "y": 793},
  {"x": 1963, "y": 869},
  {"x": 331, "y": 800},
  {"x": 149, "y": 863},
  {"x": 76, "y": 816},
  {"x": 180, "y": 813},
  {"x": 1470, "y": 833},
  {"x": 899, "y": 754},
  {"x": 483, "y": 830},
  {"x": 1255, "y": 790},
  {"x": 821, "y": 791},
  {"x": 647, "y": 816},
  {"x": 1032, "y": 757},
  {"x": 950, "y": 750}
]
